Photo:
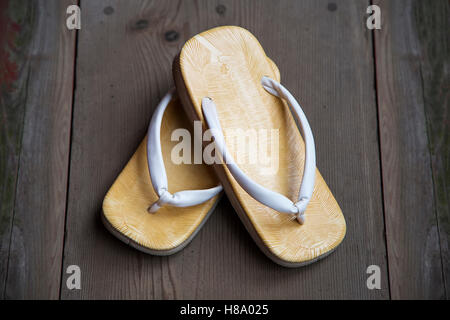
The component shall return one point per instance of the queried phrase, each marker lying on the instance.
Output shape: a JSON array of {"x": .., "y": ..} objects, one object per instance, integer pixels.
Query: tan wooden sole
[
  {"x": 141, "y": 248},
  {"x": 125, "y": 205},
  {"x": 227, "y": 64}
]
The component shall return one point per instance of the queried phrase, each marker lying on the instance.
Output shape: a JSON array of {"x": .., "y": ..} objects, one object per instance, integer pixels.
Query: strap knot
[
  {"x": 164, "y": 197},
  {"x": 301, "y": 207}
]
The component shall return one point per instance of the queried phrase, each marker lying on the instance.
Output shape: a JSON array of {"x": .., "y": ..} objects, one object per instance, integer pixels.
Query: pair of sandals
[{"x": 225, "y": 80}]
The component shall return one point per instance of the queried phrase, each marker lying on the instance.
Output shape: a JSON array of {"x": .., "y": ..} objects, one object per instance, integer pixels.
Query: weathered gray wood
[
  {"x": 35, "y": 252},
  {"x": 120, "y": 79},
  {"x": 432, "y": 20},
  {"x": 412, "y": 55},
  {"x": 14, "y": 42},
  {"x": 125, "y": 52}
]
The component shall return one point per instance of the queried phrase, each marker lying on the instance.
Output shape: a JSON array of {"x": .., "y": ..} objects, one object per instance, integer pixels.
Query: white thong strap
[
  {"x": 265, "y": 196},
  {"x": 157, "y": 169}
]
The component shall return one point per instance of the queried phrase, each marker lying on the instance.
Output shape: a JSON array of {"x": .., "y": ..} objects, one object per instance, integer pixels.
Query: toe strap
[
  {"x": 265, "y": 196},
  {"x": 157, "y": 169}
]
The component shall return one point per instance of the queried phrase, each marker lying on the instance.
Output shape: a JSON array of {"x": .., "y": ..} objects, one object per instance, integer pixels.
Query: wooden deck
[{"x": 75, "y": 104}]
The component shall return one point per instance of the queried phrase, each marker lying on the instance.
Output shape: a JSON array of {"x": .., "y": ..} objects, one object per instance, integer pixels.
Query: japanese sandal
[
  {"x": 225, "y": 80},
  {"x": 156, "y": 205}
]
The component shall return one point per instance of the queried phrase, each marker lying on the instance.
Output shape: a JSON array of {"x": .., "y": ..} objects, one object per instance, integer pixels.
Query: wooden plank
[
  {"x": 124, "y": 67},
  {"x": 407, "y": 78},
  {"x": 433, "y": 23},
  {"x": 14, "y": 41},
  {"x": 35, "y": 253}
]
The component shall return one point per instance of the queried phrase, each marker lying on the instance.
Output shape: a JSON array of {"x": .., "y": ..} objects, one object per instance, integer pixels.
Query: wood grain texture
[
  {"x": 16, "y": 23},
  {"x": 120, "y": 80},
  {"x": 433, "y": 22},
  {"x": 227, "y": 64},
  {"x": 125, "y": 52},
  {"x": 413, "y": 240},
  {"x": 34, "y": 264}
]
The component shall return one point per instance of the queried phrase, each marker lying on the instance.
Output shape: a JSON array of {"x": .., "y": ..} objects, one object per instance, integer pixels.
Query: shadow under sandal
[
  {"x": 156, "y": 205},
  {"x": 225, "y": 79}
]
